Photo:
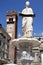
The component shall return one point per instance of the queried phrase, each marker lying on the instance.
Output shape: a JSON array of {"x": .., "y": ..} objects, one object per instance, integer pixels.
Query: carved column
[
  {"x": 36, "y": 56},
  {"x": 41, "y": 51}
]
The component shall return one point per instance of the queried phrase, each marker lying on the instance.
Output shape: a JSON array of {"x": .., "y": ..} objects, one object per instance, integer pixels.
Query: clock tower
[
  {"x": 11, "y": 28},
  {"x": 11, "y": 19}
]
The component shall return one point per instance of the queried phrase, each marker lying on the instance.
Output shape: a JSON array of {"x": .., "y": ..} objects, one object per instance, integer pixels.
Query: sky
[{"x": 18, "y": 6}]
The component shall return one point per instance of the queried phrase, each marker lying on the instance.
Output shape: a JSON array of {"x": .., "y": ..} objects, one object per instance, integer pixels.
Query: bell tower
[{"x": 11, "y": 28}]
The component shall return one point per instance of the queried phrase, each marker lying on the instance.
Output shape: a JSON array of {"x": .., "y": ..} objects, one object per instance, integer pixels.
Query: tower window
[{"x": 11, "y": 19}]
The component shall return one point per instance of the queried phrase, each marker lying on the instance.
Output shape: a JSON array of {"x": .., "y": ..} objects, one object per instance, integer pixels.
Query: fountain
[
  {"x": 25, "y": 44},
  {"x": 24, "y": 50}
]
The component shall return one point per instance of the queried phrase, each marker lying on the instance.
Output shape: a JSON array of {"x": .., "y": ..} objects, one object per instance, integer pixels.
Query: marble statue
[
  {"x": 27, "y": 21},
  {"x": 24, "y": 54}
]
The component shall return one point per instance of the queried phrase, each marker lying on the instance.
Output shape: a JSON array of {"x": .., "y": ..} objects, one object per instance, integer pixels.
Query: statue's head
[{"x": 27, "y": 3}]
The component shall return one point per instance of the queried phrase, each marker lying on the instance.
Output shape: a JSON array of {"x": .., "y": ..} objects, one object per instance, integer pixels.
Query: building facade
[{"x": 4, "y": 46}]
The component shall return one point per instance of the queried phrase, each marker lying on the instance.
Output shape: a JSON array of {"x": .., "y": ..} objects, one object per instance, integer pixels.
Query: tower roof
[{"x": 11, "y": 13}]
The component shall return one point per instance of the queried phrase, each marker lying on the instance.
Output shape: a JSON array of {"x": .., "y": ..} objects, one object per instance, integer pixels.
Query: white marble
[{"x": 27, "y": 21}]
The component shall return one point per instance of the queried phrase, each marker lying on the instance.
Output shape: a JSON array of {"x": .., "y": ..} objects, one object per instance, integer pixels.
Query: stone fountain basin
[
  {"x": 27, "y": 59},
  {"x": 26, "y": 41}
]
